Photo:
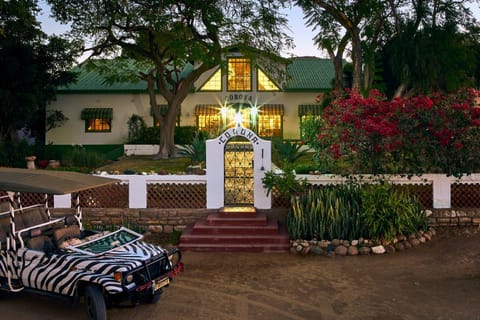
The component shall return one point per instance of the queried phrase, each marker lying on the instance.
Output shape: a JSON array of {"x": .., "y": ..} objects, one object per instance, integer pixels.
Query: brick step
[
  {"x": 203, "y": 227},
  {"x": 237, "y": 210},
  {"x": 238, "y": 220},
  {"x": 264, "y": 248},
  {"x": 190, "y": 238}
]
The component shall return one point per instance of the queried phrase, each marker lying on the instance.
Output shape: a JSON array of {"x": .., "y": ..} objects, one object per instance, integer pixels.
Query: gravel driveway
[{"x": 439, "y": 280}]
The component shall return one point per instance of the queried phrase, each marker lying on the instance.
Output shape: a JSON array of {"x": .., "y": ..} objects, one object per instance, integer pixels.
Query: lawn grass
[{"x": 147, "y": 164}]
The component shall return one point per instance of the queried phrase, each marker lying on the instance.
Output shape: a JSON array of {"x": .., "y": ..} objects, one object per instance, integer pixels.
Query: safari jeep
[{"x": 56, "y": 256}]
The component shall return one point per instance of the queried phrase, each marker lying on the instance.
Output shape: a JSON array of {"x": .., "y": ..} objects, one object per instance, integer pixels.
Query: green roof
[
  {"x": 309, "y": 74},
  {"x": 303, "y": 74},
  {"x": 89, "y": 80}
]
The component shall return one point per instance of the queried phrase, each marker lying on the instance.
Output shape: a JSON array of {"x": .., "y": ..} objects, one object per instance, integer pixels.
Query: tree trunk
[
  {"x": 167, "y": 131},
  {"x": 356, "y": 58}
]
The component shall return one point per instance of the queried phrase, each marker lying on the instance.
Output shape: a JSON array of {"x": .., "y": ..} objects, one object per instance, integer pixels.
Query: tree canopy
[
  {"x": 409, "y": 45},
  {"x": 164, "y": 37},
  {"x": 32, "y": 65}
]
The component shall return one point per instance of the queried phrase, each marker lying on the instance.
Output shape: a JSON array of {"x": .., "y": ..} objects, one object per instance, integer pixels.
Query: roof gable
[{"x": 303, "y": 74}]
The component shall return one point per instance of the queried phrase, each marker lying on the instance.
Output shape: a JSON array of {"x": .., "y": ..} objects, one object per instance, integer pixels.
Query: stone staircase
[{"x": 236, "y": 229}]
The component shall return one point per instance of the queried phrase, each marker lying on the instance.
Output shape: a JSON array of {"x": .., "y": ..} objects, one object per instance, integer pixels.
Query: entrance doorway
[{"x": 238, "y": 178}]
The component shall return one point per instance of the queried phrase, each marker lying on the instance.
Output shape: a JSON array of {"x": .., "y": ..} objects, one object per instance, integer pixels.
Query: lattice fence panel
[
  {"x": 111, "y": 196},
  {"x": 423, "y": 192},
  {"x": 170, "y": 195},
  {"x": 465, "y": 195},
  {"x": 278, "y": 201},
  {"x": 30, "y": 199}
]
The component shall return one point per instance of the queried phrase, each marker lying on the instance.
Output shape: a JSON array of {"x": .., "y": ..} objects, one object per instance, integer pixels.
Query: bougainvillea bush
[{"x": 436, "y": 133}]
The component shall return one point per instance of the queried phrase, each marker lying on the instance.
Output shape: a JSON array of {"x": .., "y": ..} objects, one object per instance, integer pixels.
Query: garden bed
[{"x": 339, "y": 247}]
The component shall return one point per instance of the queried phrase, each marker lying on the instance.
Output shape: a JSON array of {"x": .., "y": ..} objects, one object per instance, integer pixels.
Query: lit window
[
  {"x": 270, "y": 125},
  {"x": 239, "y": 74},
  {"x": 97, "y": 119},
  {"x": 99, "y": 125},
  {"x": 209, "y": 123},
  {"x": 264, "y": 82},
  {"x": 214, "y": 83}
]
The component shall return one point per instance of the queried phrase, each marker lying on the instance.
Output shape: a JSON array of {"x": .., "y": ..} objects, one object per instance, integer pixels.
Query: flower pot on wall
[
  {"x": 53, "y": 164},
  {"x": 42, "y": 164},
  {"x": 30, "y": 162}
]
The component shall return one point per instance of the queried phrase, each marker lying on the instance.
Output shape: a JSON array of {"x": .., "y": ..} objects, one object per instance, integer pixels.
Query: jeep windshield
[{"x": 107, "y": 242}]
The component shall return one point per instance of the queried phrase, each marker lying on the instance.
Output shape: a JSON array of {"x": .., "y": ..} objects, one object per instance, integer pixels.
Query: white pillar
[
  {"x": 441, "y": 192},
  {"x": 137, "y": 191},
  {"x": 62, "y": 201}
]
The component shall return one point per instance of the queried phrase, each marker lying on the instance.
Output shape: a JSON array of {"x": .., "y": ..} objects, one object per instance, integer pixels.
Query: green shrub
[
  {"x": 184, "y": 135},
  {"x": 136, "y": 127},
  {"x": 81, "y": 157},
  {"x": 349, "y": 212},
  {"x": 325, "y": 213},
  {"x": 197, "y": 151},
  {"x": 13, "y": 155},
  {"x": 387, "y": 213},
  {"x": 286, "y": 152},
  {"x": 286, "y": 183}
]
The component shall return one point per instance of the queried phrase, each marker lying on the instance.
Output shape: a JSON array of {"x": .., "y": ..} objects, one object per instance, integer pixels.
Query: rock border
[{"x": 339, "y": 247}]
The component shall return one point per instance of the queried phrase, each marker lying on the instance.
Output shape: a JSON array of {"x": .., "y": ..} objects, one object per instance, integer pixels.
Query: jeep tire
[{"x": 95, "y": 303}]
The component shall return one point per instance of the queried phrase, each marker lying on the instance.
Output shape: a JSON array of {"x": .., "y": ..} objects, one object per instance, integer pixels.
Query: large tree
[
  {"x": 417, "y": 39},
  {"x": 32, "y": 65},
  {"x": 347, "y": 14},
  {"x": 174, "y": 41},
  {"x": 433, "y": 48}
]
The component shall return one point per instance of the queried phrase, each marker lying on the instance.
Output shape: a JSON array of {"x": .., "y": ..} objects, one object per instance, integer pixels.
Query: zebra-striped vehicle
[{"x": 56, "y": 256}]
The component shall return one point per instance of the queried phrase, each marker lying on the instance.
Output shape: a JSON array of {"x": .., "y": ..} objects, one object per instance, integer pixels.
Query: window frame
[
  {"x": 250, "y": 81},
  {"x": 258, "y": 81},
  {"x": 219, "y": 70},
  {"x": 87, "y": 125}
]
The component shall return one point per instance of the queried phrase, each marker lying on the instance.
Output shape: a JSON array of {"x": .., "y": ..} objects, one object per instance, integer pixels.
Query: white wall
[{"x": 124, "y": 105}]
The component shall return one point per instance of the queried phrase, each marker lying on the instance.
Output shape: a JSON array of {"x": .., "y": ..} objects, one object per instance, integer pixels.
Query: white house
[{"x": 98, "y": 113}]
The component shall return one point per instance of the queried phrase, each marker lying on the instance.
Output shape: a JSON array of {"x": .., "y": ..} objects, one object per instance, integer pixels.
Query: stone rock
[
  {"x": 293, "y": 250},
  {"x": 316, "y": 250},
  {"x": 412, "y": 236},
  {"x": 352, "y": 251},
  {"x": 335, "y": 242},
  {"x": 360, "y": 240},
  {"x": 406, "y": 244},
  {"x": 432, "y": 230},
  {"x": 299, "y": 248},
  {"x": 378, "y": 249},
  {"x": 399, "y": 246},
  {"x": 415, "y": 242},
  {"x": 305, "y": 250},
  {"x": 364, "y": 250},
  {"x": 323, "y": 244},
  {"x": 422, "y": 239},
  {"x": 346, "y": 243},
  {"x": 402, "y": 238},
  {"x": 341, "y": 250},
  {"x": 390, "y": 249},
  {"x": 355, "y": 242}
]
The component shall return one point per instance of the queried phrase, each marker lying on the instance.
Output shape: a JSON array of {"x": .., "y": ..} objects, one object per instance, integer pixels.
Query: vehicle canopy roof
[{"x": 49, "y": 181}]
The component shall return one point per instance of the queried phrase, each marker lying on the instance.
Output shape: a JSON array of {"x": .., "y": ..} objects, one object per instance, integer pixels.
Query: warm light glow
[
  {"x": 254, "y": 110},
  {"x": 238, "y": 119},
  {"x": 224, "y": 111}
]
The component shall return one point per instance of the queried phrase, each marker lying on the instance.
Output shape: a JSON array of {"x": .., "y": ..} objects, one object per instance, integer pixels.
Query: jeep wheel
[
  {"x": 95, "y": 303},
  {"x": 153, "y": 298}
]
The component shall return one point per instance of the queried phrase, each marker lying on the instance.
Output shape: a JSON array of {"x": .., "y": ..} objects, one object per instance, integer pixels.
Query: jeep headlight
[{"x": 120, "y": 277}]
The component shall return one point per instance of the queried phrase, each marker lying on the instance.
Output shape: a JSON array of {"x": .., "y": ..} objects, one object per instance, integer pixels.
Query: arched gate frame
[{"x": 262, "y": 163}]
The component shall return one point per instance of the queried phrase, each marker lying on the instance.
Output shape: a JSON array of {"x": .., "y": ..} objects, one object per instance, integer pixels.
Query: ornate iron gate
[{"x": 238, "y": 160}]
